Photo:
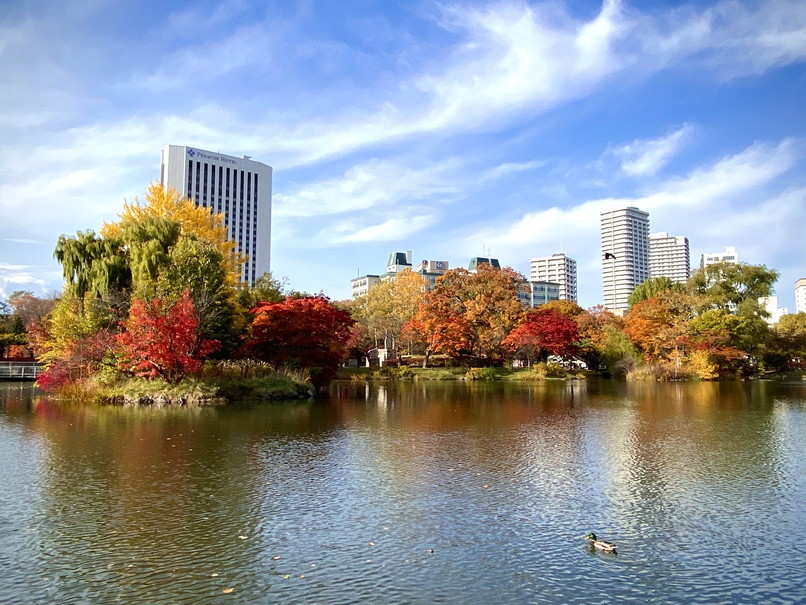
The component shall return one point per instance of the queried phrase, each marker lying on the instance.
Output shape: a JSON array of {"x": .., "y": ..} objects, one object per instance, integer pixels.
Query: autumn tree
[
  {"x": 658, "y": 326},
  {"x": 542, "y": 333},
  {"x": 470, "y": 313},
  {"x": 307, "y": 332},
  {"x": 74, "y": 341},
  {"x": 162, "y": 340},
  {"x": 388, "y": 306}
]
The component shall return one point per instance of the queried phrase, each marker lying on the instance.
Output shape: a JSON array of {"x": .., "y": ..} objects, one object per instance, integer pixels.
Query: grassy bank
[
  {"x": 218, "y": 384},
  {"x": 540, "y": 371}
]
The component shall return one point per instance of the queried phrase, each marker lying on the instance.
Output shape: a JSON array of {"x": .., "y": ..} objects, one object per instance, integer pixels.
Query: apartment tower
[
  {"x": 625, "y": 254},
  {"x": 669, "y": 256},
  {"x": 557, "y": 269},
  {"x": 238, "y": 188}
]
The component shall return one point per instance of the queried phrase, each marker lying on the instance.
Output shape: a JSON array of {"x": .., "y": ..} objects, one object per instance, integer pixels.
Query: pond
[{"x": 411, "y": 492}]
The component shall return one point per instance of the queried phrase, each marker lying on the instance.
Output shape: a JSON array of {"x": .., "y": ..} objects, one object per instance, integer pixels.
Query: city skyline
[{"x": 497, "y": 129}]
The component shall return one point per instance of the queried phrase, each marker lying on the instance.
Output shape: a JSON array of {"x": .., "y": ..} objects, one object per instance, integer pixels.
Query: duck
[{"x": 600, "y": 544}]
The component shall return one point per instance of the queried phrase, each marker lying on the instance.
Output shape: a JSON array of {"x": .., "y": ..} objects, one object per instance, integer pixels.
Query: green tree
[
  {"x": 265, "y": 289},
  {"x": 652, "y": 287}
]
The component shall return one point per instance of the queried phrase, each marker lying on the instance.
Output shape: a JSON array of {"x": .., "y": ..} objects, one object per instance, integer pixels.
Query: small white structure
[
  {"x": 800, "y": 295},
  {"x": 770, "y": 304},
  {"x": 728, "y": 255}
]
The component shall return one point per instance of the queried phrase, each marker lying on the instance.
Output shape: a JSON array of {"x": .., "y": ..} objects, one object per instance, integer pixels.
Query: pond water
[{"x": 418, "y": 492}]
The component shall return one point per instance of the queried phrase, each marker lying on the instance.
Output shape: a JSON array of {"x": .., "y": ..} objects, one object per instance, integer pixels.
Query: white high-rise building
[
  {"x": 625, "y": 254},
  {"x": 239, "y": 188},
  {"x": 669, "y": 256},
  {"x": 557, "y": 269},
  {"x": 728, "y": 255},
  {"x": 800, "y": 295}
]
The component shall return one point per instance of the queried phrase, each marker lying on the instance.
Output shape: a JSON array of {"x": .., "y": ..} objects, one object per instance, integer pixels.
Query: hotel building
[
  {"x": 557, "y": 269},
  {"x": 238, "y": 188},
  {"x": 669, "y": 257},
  {"x": 625, "y": 254}
]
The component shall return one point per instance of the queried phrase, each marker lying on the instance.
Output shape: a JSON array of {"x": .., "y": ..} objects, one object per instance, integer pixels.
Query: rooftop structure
[{"x": 728, "y": 255}]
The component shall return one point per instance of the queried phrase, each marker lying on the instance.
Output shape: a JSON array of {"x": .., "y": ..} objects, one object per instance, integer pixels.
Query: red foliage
[
  {"x": 80, "y": 359},
  {"x": 306, "y": 332},
  {"x": 545, "y": 332},
  {"x": 163, "y": 340}
]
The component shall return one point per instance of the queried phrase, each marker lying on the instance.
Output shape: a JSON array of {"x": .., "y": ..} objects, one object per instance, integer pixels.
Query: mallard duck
[{"x": 600, "y": 544}]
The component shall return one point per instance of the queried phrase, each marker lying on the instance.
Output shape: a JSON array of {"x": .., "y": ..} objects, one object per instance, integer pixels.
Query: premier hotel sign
[{"x": 193, "y": 153}]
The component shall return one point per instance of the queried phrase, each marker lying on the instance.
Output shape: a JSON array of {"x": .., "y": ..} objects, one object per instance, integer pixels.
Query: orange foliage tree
[{"x": 469, "y": 313}]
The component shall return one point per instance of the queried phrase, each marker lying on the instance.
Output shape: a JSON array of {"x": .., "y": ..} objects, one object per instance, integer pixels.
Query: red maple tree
[
  {"x": 162, "y": 340},
  {"x": 545, "y": 332},
  {"x": 307, "y": 332}
]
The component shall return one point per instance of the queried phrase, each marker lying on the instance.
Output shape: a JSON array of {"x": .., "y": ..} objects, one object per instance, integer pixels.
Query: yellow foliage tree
[
  {"x": 389, "y": 305},
  {"x": 194, "y": 221}
]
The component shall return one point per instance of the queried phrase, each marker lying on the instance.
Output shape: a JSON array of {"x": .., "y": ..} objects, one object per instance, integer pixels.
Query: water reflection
[{"x": 411, "y": 492}]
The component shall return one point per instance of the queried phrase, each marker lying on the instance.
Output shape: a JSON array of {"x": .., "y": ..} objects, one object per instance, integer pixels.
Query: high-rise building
[
  {"x": 625, "y": 254},
  {"x": 728, "y": 255},
  {"x": 669, "y": 256},
  {"x": 238, "y": 188},
  {"x": 800, "y": 295},
  {"x": 557, "y": 269}
]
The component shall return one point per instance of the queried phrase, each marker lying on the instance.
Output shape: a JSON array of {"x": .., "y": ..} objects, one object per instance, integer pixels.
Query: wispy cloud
[
  {"x": 393, "y": 229},
  {"x": 646, "y": 156}
]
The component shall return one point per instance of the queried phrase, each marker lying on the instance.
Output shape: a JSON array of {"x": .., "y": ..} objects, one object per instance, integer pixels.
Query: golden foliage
[{"x": 194, "y": 221}]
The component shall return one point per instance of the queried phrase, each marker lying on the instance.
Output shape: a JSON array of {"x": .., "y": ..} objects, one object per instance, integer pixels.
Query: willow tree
[{"x": 92, "y": 265}]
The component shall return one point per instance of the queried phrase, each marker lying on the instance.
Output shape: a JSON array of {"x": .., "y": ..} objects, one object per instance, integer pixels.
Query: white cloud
[
  {"x": 19, "y": 277},
  {"x": 393, "y": 229},
  {"x": 646, "y": 156},
  {"x": 367, "y": 185}
]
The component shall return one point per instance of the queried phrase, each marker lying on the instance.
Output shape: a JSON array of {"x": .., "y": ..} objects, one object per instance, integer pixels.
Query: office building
[
  {"x": 800, "y": 295},
  {"x": 625, "y": 254},
  {"x": 238, "y": 188},
  {"x": 556, "y": 269},
  {"x": 669, "y": 257},
  {"x": 728, "y": 255}
]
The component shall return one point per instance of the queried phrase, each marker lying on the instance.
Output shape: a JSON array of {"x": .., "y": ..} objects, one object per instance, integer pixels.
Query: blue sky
[{"x": 452, "y": 129}]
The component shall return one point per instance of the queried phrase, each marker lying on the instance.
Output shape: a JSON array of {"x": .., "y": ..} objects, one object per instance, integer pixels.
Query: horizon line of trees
[{"x": 156, "y": 294}]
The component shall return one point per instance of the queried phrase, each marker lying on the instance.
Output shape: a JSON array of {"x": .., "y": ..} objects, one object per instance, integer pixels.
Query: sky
[{"x": 453, "y": 129}]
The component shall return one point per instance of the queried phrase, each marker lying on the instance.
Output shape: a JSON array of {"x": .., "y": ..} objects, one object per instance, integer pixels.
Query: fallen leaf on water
[
  {"x": 243, "y": 537},
  {"x": 286, "y": 576},
  {"x": 370, "y": 543},
  {"x": 485, "y": 486},
  {"x": 227, "y": 590},
  {"x": 213, "y": 575},
  {"x": 275, "y": 558}
]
